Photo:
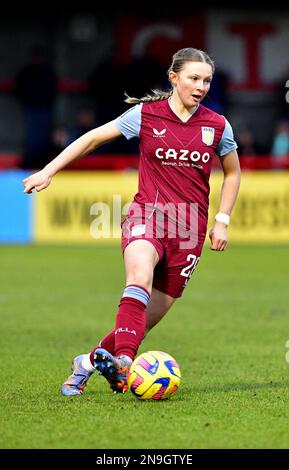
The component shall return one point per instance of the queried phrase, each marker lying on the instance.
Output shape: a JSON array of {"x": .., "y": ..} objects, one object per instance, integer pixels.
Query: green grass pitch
[{"x": 228, "y": 333}]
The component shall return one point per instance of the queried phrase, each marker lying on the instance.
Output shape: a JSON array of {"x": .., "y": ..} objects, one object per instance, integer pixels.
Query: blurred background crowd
[{"x": 66, "y": 72}]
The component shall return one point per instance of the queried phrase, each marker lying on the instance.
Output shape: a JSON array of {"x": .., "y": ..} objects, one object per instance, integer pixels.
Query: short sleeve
[
  {"x": 129, "y": 122},
  {"x": 227, "y": 142}
]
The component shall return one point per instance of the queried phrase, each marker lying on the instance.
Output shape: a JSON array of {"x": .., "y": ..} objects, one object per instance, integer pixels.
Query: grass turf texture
[{"x": 228, "y": 334}]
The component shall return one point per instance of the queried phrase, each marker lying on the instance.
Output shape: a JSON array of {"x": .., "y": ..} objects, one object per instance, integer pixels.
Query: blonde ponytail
[{"x": 157, "y": 95}]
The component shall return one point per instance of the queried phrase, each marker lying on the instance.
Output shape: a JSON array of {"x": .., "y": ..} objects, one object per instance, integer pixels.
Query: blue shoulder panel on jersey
[
  {"x": 129, "y": 122},
  {"x": 227, "y": 142}
]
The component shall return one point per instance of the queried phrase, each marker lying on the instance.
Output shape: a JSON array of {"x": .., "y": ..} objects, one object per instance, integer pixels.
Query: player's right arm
[{"x": 77, "y": 149}]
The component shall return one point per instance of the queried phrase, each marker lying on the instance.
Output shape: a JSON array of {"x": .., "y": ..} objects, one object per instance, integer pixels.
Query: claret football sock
[{"x": 131, "y": 321}]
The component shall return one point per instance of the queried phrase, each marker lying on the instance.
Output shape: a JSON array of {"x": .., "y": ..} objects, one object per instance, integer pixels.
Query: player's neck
[{"x": 180, "y": 110}]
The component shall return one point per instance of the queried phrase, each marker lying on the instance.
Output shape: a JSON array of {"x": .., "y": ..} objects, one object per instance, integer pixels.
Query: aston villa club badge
[{"x": 208, "y": 134}]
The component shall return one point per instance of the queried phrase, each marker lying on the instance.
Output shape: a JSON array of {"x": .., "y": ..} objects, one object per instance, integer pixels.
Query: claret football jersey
[{"x": 176, "y": 156}]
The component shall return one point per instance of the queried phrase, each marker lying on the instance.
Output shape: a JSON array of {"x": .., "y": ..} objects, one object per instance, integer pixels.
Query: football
[{"x": 154, "y": 375}]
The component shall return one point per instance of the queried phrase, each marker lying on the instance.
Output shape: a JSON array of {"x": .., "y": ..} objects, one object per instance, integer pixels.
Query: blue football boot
[
  {"x": 114, "y": 369},
  {"x": 76, "y": 383}
]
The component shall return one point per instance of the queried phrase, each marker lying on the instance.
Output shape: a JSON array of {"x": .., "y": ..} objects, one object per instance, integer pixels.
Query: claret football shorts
[{"x": 178, "y": 256}]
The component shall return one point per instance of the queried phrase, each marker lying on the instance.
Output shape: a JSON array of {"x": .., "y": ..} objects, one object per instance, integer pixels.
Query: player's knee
[{"x": 141, "y": 278}]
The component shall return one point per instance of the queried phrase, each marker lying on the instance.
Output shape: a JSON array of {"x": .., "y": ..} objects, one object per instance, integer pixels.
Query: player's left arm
[{"x": 230, "y": 188}]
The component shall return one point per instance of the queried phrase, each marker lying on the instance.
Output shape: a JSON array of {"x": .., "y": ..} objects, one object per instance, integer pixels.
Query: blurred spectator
[
  {"x": 85, "y": 121},
  {"x": 59, "y": 140},
  {"x": 107, "y": 87},
  {"x": 36, "y": 90},
  {"x": 217, "y": 98},
  {"x": 280, "y": 145},
  {"x": 282, "y": 97},
  {"x": 143, "y": 74},
  {"x": 108, "y": 83},
  {"x": 247, "y": 144}
]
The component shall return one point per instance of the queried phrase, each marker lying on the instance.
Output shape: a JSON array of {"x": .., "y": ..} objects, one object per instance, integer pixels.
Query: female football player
[{"x": 165, "y": 228}]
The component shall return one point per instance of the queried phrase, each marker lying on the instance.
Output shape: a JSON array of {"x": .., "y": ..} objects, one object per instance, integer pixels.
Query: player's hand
[
  {"x": 37, "y": 181},
  {"x": 218, "y": 236}
]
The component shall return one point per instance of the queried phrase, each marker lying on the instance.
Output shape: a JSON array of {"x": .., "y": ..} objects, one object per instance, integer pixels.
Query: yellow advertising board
[
  {"x": 83, "y": 206},
  {"x": 261, "y": 214},
  {"x": 88, "y": 206}
]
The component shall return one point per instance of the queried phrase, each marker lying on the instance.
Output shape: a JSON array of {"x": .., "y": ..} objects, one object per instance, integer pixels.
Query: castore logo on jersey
[{"x": 159, "y": 133}]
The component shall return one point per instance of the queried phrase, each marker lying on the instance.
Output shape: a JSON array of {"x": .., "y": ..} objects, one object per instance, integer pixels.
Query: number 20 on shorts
[{"x": 188, "y": 270}]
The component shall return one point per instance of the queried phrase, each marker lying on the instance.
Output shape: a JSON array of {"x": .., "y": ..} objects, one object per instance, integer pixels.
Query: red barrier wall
[{"x": 120, "y": 162}]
